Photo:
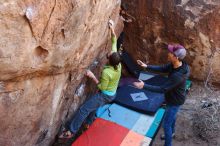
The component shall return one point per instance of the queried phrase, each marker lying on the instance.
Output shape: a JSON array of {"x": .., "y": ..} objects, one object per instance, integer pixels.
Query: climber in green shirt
[
  {"x": 112, "y": 72},
  {"x": 107, "y": 86}
]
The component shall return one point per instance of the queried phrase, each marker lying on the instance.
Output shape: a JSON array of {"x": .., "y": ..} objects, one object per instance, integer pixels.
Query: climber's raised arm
[{"x": 113, "y": 35}]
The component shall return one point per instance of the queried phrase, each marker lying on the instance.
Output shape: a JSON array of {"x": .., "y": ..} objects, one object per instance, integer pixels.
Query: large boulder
[
  {"x": 193, "y": 23},
  {"x": 45, "y": 49}
]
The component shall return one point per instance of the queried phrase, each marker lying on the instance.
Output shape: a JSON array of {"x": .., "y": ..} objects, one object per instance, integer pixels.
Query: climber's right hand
[
  {"x": 111, "y": 23},
  {"x": 89, "y": 74}
]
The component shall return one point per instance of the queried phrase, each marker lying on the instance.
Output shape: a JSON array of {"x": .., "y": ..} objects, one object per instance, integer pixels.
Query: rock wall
[
  {"x": 192, "y": 23},
  {"x": 45, "y": 48}
]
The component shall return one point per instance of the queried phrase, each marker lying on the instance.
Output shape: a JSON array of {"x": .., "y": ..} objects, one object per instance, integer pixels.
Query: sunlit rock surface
[{"x": 45, "y": 48}]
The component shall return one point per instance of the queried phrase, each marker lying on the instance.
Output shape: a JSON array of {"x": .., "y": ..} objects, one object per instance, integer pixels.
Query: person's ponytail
[{"x": 114, "y": 60}]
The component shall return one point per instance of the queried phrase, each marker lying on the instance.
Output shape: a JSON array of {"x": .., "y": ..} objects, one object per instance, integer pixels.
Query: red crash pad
[{"x": 102, "y": 133}]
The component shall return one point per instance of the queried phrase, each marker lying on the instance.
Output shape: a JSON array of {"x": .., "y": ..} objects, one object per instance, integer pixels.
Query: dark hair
[{"x": 114, "y": 59}]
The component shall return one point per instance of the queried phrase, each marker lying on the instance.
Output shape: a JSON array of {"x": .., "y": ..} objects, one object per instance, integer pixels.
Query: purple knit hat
[{"x": 178, "y": 50}]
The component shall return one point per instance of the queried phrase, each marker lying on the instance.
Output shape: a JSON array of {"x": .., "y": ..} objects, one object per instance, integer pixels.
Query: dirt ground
[{"x": 184, "y": 125}]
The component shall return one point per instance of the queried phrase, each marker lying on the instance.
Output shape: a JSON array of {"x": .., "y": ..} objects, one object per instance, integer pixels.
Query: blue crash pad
[
  {"x": 137, "y": 122},
  {"x": 121, "y": 116},
  {"x": 146, "y": 75},
  {"x": 157, "y": 121},
  {"x": 102, "y": 109},
  {"x": 140, "y": 100}
]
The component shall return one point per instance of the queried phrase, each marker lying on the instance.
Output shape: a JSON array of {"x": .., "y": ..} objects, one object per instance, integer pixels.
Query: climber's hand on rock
[
  {"x": 111, "y": 26},
  {"x": 89, "y": 74},
  {"x": 111, "y": 23}
]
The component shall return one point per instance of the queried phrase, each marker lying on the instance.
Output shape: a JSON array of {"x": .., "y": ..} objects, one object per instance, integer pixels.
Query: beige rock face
[
  {"x": 192, "y": 23},
  {"x": 45, "y": 48}
]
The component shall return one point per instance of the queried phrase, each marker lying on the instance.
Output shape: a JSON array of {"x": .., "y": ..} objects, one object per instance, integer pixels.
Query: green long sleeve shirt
[{"x": 110, "y": 77}]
